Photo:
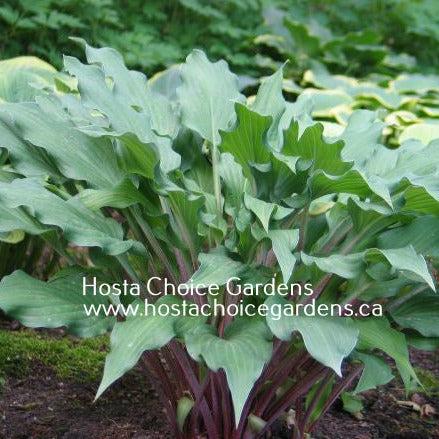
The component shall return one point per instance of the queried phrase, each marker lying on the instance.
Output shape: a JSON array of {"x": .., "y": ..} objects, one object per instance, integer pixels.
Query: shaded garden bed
[{"x": 52, "y": 397}]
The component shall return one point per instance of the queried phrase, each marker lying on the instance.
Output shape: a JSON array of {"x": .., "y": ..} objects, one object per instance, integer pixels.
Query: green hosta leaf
[
  {"x": 121, "y": 196},
  {"x": 432, "y": 112},
  {"x": 199, "y": 176},
  {"x": 284, "y": 242},
  {"x": 12, "y": 237},
  {"x": 321, "y": 399},
  {"x": 261, "y": 209},
  {"x": 207, "y": 96},
  {"x": 347, "y": 266},
  {"x": 425, "y": 132},
  {"x": 405, "y": 259},
  {"x": 304, "y": 41},
  {"x": 241, "y": 353},
  {"x": 269, "y": 101},
  {"x": 421, "y": 313},
  {"x": 422, "y": 199},
  {"x": 370, "y": 286},
  {"x": 311, "y": 146},
  {"x": 414, "y": 234},
  {"x": 273, "y": 172},
  {"x": 320, "y": 206},
  {"x": 131, "y": 87},
  {"x": 327, "y": 103},
  {"x": 234, "y": 180},
  {"x": 366, "y": 214},
  {"x": 321, "y": 78},
  {"x": 119, "y": 103},
  {"x": 140, "y": 333},
  {"x": 415, "y": 83},
  {"x": 58, "y": 302},
  {"x": 361, "y": 136},
  {"x": 328, "y": 339},
  {"x": 81, "y": 225},
  {"x": 184, "y": 406},
  {"x": 136, "y": 157},
  {"x": 23, "y": 156},
  {"x": 17, "y": 75},
  {"x": 378, "y": 96},
  {"x": 16, "y": 218},
  {"x": 411, "y": 162},
  {"x": 76, "y": 155},
  {"x": 376, "y": 333},
  {"x": 246, "y": 141},
  {"x": 216, "y": 268},
  {"x": 376, "y": 372},
  {"x": 352, "y": 182},
  {"x": 117, "y": 107},
  {"x": 423, "y": 343},
  {"x": 215, "y": 224},
  {"x": 286, "y": 177},
  {"x": 186, "y": 211},
  {"x": 166, "y": 82}
]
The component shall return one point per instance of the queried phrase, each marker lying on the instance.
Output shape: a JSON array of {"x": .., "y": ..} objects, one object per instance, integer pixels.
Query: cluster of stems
[{"x": 281, "y": 389}]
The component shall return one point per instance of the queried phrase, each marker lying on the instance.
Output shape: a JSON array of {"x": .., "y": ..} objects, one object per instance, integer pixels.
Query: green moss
[
  {"x": 429, "y": 380},
  {"x": 81, "y": 360}
]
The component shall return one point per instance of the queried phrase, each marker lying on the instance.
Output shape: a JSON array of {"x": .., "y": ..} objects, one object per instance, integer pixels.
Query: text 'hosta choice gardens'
[{"x": 256, "y": 262}]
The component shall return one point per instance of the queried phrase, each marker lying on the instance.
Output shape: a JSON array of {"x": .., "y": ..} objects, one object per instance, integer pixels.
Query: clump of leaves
[
  {"x": 407, "y": 104},
  {"x": 21, "y": 79},
  {"x": 184, "y": 179}
]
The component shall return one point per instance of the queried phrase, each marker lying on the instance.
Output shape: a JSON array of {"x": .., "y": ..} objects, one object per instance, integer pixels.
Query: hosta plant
[
  {"x": 21, "y": 79},
  {"x": 410, "y": 100},
  {"x": 166, "y": 185}
]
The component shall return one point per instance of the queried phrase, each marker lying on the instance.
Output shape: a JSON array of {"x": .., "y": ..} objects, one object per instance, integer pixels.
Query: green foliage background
[
  {"x": 150, "y": 34},
  {"x": 155, "y": 34}
]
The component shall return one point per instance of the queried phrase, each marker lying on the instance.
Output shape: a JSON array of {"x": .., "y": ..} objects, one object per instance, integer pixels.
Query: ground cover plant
[
  {"x": 80, "y": 359},
  {"x": 183, "y": 178}
]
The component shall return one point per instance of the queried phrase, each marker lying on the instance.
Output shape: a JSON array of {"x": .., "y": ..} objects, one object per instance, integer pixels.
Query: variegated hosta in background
[
  {"x": 410, "y": 100},
  {"x": 409, "y": 103},
  {"x": 184, "y": 178}
]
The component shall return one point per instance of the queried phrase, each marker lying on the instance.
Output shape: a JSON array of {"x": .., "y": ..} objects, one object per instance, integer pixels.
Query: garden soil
[{"x": 41, "y": 406}]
